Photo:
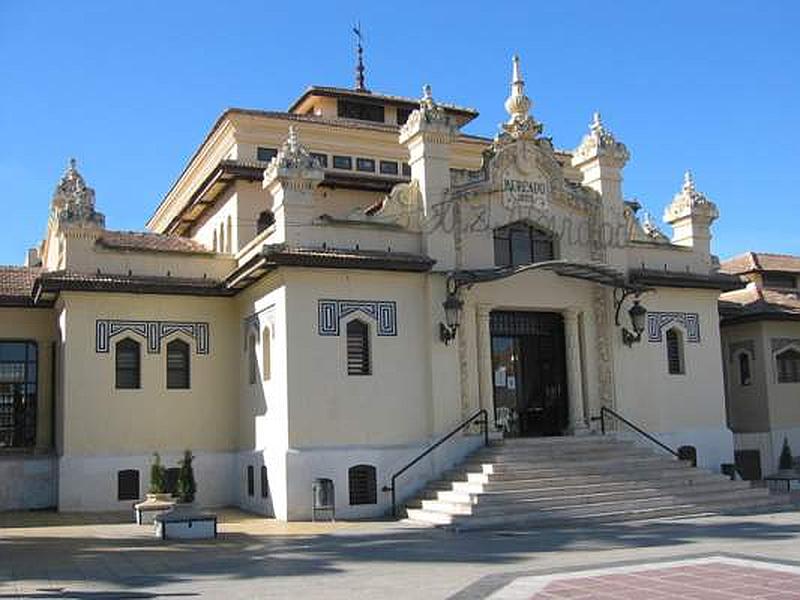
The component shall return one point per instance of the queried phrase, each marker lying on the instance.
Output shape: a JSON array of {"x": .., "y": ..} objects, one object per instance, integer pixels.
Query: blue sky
[{"x": 131, "y": 89}]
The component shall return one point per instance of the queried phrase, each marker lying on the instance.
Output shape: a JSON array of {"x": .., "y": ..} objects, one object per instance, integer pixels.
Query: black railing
[
  {"x": 605, "y": 412},
  {"x": 484, "y": 422}
]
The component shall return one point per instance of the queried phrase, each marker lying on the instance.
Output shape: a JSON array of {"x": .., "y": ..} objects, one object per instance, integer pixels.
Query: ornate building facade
[{"x": 326, "y": 291}]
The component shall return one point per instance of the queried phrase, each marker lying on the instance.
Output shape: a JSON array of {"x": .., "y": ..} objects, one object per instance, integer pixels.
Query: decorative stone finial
[
  {"x": 293, "y": 161},
  {"x": 73, "y": 201},
  {"x": 520, "y": 123},
  {"x": 600, "y": 142},
  {"x": 690, "y": 201},
  {"x": 651, "y": 228}
]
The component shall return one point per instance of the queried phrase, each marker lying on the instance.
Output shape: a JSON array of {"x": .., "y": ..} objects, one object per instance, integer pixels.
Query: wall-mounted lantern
[
  {"x": 637, "y": 314},
  {"x": 453, "y": 309}
]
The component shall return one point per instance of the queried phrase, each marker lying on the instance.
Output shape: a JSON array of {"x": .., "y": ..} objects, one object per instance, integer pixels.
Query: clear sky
[{"x": 130, "y": 89}]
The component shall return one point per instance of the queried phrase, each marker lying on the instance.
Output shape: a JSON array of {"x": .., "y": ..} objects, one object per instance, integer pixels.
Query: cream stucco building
[{"x": 283, "y": 316}]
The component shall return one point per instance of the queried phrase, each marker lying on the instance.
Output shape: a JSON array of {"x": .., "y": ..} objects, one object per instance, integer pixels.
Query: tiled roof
[
  {"x": 151, "y": 242},
  {"x": 16, "y": 284},
  {"x": 761, "y": 261},
  {"x": 753, "y": 303},
  {"x": 50, "y": 283}
]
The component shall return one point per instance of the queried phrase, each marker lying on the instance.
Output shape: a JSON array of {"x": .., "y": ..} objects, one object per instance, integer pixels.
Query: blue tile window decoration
[
  {"x": 331, "y": 312},
  {"x": 658, "y": 321},
  {"x": 152, "y": 331}
]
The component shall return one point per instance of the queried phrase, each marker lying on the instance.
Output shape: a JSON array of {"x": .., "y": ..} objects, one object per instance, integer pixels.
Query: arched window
[
  {"x": 521, "y": 244},
  {"x": 264, "y": 482},
  {"x": 745, "y": 376},
  {"x": 358, "y": 359},
  {"x": 266, "y": 366},
  {"x": 222, "y": 247},
  {"x": 362, "y": 483},
  {"x": 252, "y": 359},
  {"x": 675, "y": 364},
  {"x": 178, "y": 365},
  {"x": 128, "y": 365},
  {"x": 788, "y": 366},
  {"x": 265, "y": 219},
  {"x": 229, "y": 233},
  {"x": 216, "y": 243},
  {"x": 251, "y": 481}
]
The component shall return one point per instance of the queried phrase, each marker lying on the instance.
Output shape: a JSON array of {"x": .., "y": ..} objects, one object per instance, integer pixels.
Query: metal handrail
[
  {"x": 484, "y": 422},
  {"x": 636, "y": 428}
]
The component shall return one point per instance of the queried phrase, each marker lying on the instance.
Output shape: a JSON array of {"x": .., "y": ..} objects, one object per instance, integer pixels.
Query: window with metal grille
[
  {"x": 171, "y": 480},
  {"x": 358, "y": 359},
  {"x": 251, "y": 483},
  {"x": 674, "y": 340},
  {"x": 18, "y": 393},
  {"x": 788, "y": 366},
  {"x": 128, "y": 484},
  {"x": 343, "y": 162},
  {"x": 264, "y": 482},
  {"x": 744, "y": 369},
  {"x": 521, "y": 244},
  {"x": 178, "y": 365},
  {"x": 252, "y": 359},
  {"x": 128, "y": 365},
  {"x": 362, "y": 483}
]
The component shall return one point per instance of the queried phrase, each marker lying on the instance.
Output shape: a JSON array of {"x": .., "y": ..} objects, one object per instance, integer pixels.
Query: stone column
[
  {"x": 577, "y": 418},
  {"x": 485, "y": 386}
]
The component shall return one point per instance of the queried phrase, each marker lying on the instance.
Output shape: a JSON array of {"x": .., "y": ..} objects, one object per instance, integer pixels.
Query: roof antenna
[{"x": 360, "y": 87}]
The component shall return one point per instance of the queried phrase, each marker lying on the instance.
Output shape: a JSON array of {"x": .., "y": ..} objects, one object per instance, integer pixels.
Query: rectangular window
[
  {"x": 388, "y": 167},
  {"x": 779, "y": 280},
  {"x": 343, "y": 162},
  {"x": 171, "y": 483},
  {"x": 18, "y": 393},
  {"x": 363, "y": 111},
  {"x": 402, "y": 115},
  {"x": 251, "y": 484},
  {"x": 128, "y": 484},
  {"x": 674, "y": 352},
  {"x": 406, "y": 170},
  {"x": 366, "y": 165},
  {"x": 266, "y": 154},
  {"x": 322, "y": 159}
]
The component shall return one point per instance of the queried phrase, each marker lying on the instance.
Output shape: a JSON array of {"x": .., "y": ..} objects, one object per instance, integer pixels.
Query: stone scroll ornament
[
  {"x": 152, "y": 331},
  {"x": 331, "y": 312},
  {"x": 658, "y": 321}
]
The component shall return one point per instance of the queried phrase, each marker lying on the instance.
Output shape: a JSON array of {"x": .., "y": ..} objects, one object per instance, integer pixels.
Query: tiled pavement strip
[{"x": 46, "y": 555}]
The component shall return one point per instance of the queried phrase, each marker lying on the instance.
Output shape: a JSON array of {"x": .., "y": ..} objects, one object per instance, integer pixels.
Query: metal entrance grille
[{"x": 523, "y": 323}]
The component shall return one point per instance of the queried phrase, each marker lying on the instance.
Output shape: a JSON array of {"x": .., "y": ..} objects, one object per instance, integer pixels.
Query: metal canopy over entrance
[{"x": 590, "y": 271}]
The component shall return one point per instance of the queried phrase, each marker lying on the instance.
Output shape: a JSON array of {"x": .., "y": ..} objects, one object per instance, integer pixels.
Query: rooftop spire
[
  {"x": 517, "y": 104},
  {"x": 360, "y": 80}
]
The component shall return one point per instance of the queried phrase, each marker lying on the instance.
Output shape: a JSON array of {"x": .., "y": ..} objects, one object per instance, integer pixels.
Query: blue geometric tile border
[{"x": 331, "y": 312}]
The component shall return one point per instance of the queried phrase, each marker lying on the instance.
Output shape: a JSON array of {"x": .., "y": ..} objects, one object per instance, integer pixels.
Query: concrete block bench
[{"x": 184, "y": 522}]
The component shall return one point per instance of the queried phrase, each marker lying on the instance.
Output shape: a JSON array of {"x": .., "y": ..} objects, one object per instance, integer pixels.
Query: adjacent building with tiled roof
[{"x": 760, "y": 325}]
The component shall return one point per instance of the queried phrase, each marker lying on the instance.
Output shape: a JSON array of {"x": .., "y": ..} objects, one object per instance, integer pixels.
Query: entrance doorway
[{"x": 529, "y": 372}]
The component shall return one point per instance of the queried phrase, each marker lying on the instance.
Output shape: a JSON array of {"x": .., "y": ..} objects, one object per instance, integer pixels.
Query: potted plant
[
  {"x": 158, "y": 500},
  {"x": 786, "y": 462},
  {"x": 186, "y": 486}
]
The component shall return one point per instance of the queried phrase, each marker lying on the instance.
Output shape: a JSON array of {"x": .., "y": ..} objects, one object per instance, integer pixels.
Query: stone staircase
[{"x": 566, "y": 481}]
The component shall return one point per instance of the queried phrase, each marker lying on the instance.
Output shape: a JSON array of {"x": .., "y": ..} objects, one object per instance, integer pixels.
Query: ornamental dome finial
[
  {"x": 688, "y": 181},
  {"x": 518, "y": 104},
  {"x": 73, "y": 200}
]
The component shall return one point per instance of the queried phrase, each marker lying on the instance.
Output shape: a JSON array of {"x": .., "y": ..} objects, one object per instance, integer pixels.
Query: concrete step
[
  {"x": 612, "y": 468},
  {"x": 589, "y": 502},
  {"x": 565, "y": 457},
  {"x": 603, "y": 516},
  {"x": 619, "y": 490}
]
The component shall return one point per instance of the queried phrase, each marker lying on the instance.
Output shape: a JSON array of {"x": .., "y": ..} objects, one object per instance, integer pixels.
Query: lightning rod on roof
[{"x": 360, "y": 86}]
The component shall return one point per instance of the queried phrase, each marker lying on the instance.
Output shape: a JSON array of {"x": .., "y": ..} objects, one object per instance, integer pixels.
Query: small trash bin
[
  {"x": 688, "y": 453},
  {"x": 323, "y": 498}
]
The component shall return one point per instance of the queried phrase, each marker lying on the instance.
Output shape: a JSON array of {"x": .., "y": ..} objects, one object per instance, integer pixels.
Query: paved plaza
[{"x": 45, "y": 555}]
